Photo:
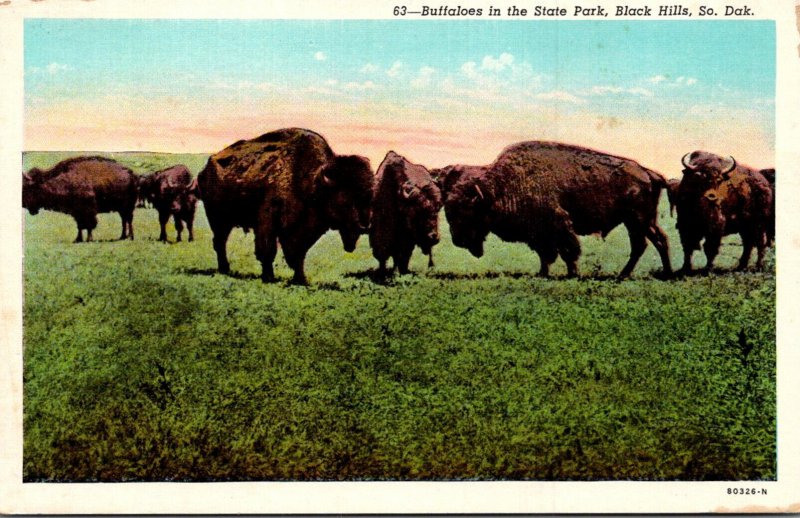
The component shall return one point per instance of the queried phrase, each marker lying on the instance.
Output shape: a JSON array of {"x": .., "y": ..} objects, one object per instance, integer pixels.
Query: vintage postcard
[{"x": 405, "y": 257}]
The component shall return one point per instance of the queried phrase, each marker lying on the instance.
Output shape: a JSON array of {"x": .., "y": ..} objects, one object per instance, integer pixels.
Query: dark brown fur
[
  {"x": 672, "y": 194},
  {"x": 171, "y": 191},
  {"x": 405, "y": 212},
  {"x": 713, "y": 203},
  {"x": 290, "y": 188},
  {"x": 545, "y": 194},
  {"x": 83, "y": 187},
  {"x": 769, "y": 174}
]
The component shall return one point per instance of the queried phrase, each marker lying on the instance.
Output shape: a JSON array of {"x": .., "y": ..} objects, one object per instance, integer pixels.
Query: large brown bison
[
  {"x": 672, "y": 194},
  {"x": 405, "y": 212},
  {"x": 290, "y": 188},
  {"x": 172, "y": 192},
  {"x": 544, "y": 194},
  {"x": 718, "y": 197},
  {"x": 83, "y": 187}
]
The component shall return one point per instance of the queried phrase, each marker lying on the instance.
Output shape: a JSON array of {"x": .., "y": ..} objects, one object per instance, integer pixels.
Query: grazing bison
[
  {"x": 405, "y": 212},
  {"x": 719, "y": 197},
  {"x": 172, "y": 192},
  {"x": 83, "y": 187},
  {"x": 672, "y": 194},
  {"x": 290, "y": 188},
  {"x": 769, "y": 174},
  {"x": 544, "y": 194}
]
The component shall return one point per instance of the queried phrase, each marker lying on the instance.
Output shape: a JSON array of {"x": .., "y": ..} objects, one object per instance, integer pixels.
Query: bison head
[
  {"x": 421, "y": 205},
  {"x": 31, "y": 192},
  {"x": 466, "y": 206},
  {"x": 346, "y": 194},
  {"x": 711, "y": 167}
]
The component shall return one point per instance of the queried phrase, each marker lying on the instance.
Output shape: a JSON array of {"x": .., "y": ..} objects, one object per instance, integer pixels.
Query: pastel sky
[{"x": 438, "y": 92}]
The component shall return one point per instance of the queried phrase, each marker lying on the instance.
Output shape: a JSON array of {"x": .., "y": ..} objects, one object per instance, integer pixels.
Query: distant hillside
[{"x": 141, "y": 162}]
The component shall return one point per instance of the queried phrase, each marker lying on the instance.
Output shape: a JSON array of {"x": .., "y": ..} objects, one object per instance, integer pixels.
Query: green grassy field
[{"x": 142, "y": 363}]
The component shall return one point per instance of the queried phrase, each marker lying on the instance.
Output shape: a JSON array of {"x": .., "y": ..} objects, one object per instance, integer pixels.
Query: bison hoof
[{"x": 299, "y": 280}]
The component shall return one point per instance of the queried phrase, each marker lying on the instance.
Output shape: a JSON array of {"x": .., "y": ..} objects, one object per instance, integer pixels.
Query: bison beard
[
  {"x": 545, "y": 194},
  {"x": 290, "y": 188}
]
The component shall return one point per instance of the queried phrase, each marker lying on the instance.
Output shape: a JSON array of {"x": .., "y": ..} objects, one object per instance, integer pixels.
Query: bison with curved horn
[
  {"x": 718, "y": 197},
  {"x": 405, "y": 212},
  {"x": 545, "y": 194},
  {"x": 290, "y": 187},
  {"x": 83, "y": 187}
]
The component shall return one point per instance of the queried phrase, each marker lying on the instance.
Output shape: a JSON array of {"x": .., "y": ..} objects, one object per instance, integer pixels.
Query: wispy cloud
[
  {"x": 423, "y": 78},
  {"x": 366, "y": 85},
  {"x": 55, "y": 68},
  {"x": 665, "y": 80},
  {"x": 369, "y": 68},
  {"x": 320, "y": 56},
  {"x": 559, "y": 95},
  {"x": 395, "y": 69},
  {"x": 52, "y": 69},
  {"x": 617, "y": 90}
]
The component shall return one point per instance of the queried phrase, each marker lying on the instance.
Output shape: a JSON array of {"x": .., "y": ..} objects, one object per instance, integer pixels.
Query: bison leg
[
  {"x": 660, "y": 241},
  {"x": 190, "y": 227},
  {"x": 690, "y": 243},
  {"x": 163, "y": 218},
  {"x": 221, "y": 233},
  {"x": 266, "y": 246},
  {"x": 402, "y": 257},
  {"x": 711, "y": 249},
  {"x": 756, "y": 238},
  {"x": 127, "y": 224},
  {"x": 761, "y": 247},
  {"x": 569, "y": 248},
  {"x": 295, "y": 255},
  {"x": 79, "y": 238},
  {"x": 638, "y": 245},
  {"x": 547, "y": 255},
  {"x": 178, "y": 227},
  {"x": 266, "y": 249},
  {"x": 295, "y": 247}
]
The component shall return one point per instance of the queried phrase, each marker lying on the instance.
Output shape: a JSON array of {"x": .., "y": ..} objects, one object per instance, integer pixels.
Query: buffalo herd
[{"x": 289, "y": 187}]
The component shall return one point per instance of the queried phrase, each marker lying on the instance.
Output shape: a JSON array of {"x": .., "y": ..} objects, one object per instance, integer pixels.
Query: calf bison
[
  {"x": 718, "y": 197},
  {"x": 672, "y": 194},
  {"x": 290, "y": 188},
  {"x": 83, "y": 187},
  {"x": 405, "y": 212},
  {"x": 544, "y": 194},
  {"x": 172, "y": 192}
]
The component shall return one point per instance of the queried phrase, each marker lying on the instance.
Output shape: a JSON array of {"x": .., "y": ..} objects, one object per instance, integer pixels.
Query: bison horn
[
  {"x": 327, "y": 180},
  {"x": 686, "y": 165},
  {"x": 478, "y": 190},
  {"x": 731, "y": 168}
]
